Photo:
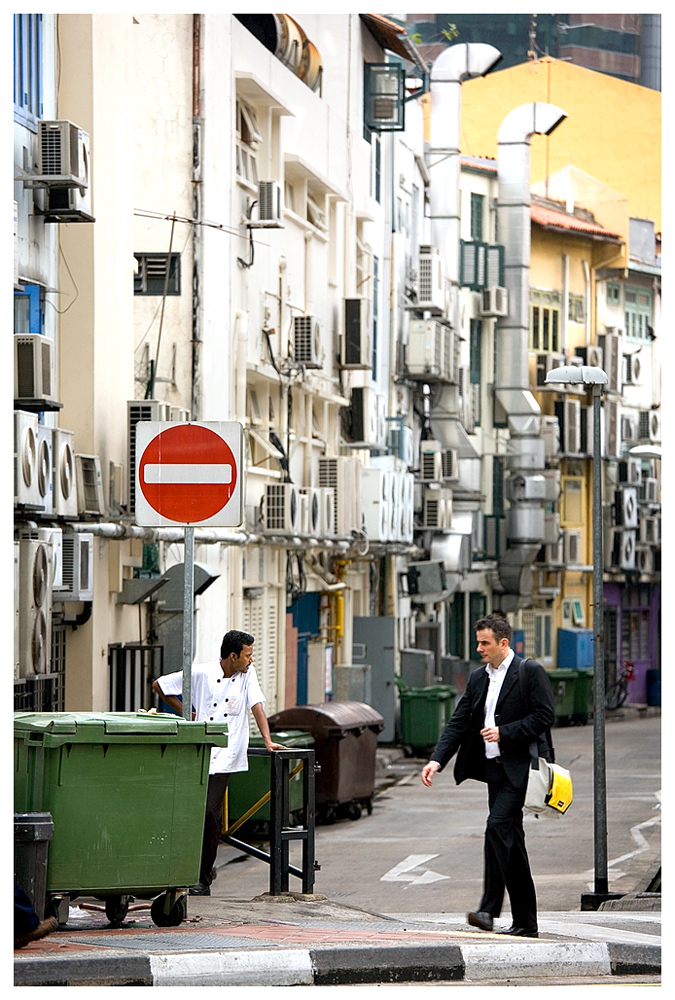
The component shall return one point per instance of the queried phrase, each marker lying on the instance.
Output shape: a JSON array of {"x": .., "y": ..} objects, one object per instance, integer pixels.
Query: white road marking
[{"x": 410, "y": 870}]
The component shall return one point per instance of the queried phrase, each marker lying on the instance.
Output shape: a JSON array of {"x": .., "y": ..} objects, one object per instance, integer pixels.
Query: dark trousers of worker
[
  {"x": 213, "y": 825},
  {"x": 506, "y": 862}
]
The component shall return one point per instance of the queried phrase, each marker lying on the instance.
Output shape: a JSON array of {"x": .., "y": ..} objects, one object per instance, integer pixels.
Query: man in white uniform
[{"x": 223, "y": 690}]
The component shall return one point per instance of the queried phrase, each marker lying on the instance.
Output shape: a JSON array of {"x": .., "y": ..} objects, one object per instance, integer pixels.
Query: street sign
[{"x": 189, "y": 473}]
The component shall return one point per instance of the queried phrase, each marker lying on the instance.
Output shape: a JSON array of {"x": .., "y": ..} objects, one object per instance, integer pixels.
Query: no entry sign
[{"x": 188, "y": 473}]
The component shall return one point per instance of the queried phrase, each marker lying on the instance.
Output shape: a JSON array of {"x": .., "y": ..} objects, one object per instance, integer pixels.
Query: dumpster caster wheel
[
  {"x": 116, "y": 909},
  {"x": 354, "y": 810},
  {"x": 175, "y": 915}
]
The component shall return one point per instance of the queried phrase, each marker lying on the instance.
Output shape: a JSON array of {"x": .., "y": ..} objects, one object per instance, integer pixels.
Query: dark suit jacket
[{"x": 520, "y": 720}]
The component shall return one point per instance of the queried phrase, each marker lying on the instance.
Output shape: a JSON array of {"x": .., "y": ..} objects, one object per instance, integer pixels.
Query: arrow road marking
[
  {"x": 175, "y": 472},
  {"x": 409, "y": 870}
]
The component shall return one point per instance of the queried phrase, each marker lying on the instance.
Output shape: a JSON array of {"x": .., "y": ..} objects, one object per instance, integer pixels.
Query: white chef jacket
[
  {"x": 496, "y": 675},
  {"x": 217, "y": 698}
]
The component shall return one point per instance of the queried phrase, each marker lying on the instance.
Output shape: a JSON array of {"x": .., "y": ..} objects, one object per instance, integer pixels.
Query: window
[
  {"x": 638, "y": 312},
  {"x": 576, "y": 310},
  {"x": 377, "y": 168},
  {"x": 545, "y": 321},
  {"x": 476, "y": 333},
  {"x": 538, "y": 628},
  {"x": 572, "y": 500},
  {"x": 28, "y": 69},
  {"x": 613, "y": 294},
  {"x": 249, "y": 138},
  {"x": 376, "y": 295},
  {"x": 477, "y": 203},
  {"x": 152, "y": 278}
]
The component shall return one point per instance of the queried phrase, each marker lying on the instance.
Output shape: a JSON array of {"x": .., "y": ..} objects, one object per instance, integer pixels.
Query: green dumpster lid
[{"x": 87, "y": 727}]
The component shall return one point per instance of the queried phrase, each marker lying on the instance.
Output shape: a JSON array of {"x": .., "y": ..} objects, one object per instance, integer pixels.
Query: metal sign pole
[
  {"x": 599, "y": 766},
  {"x": 188, "y": 602}
]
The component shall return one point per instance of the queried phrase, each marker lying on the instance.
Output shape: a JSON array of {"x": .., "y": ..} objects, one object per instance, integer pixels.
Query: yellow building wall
[{"x": 613, "y": 129}]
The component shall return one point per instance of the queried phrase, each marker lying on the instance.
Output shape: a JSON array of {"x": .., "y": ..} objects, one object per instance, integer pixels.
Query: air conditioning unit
[
  {"x": 365, "y": 427},
  {"x": 632, "y": 369},
  {"x": 357, "y": 347},
  {"x": 63, "y": 155},
  {"x": 67, "y": 205},
  {"x": 568, "y": 412},
  {"x": 622, "y": 552},
  {"x": 450, "y": 464},
  {"x": 34, "y": 367},
  {"x": 630, "y": 471},
  {"x": 303, "y": 514},
  {"x": 178, "y": 413},
  {"x": 281, "y": 511},
  {"x": 436, "y": 508},
  {"x": 431, "y": 290},
  {"x": 650, "y": 426},
  {"x": 648, "y": 490},
  {"x": 629, "y": 429},
  {"x": 572, "y": 547},
  {"x": 431, "y": 462},
  {"x": 52, "y": 537},
  {"x": 312, "y": 496},
  {"x": 35, "y": 607},
  {"x": 270, "y": 206},
  {"x": 25, "y": 459},
  {"x": 400, "y": 441},
  {"x": 63, "y": 455},
  {"x": 644, "y": 560},
  {"x": 307, "y": 341},
  {"x": 612, "y": 411},
  {"x": 342, "y": 474},
  {"x": 376, "y": 503},
  {"x": 649, "y": 530},
  {"x": 326, "y": 512},
  {"x": 574, "y": 360},
  {"x": 545, "y": 364},
  {"x": 626, "y": 507},
  {"x": 45, "y": 470},
  {"x": 591, "y": 356},
  {"x": 78, "y": 567},
  {"x": 425, "y": 352},
  {"x": 427, "y": 579},
  {"x": 610, "y": 345},
  {"x": 89, "y": 483},
  {"x": 140, "y": 409},
  {"x": 550, "y": 431},
  {"x": 552, "y": 533},
  {"x": 554, "y": 552},
  {"x": 494, "y": 301}
]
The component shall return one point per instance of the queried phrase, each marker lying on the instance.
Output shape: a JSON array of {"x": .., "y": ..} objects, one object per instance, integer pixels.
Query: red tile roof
[{"x": 560, "y": 220}]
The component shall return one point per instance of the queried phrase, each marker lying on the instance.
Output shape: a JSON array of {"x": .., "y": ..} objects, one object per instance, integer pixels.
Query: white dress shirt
[{"x": 496, "y": 675}]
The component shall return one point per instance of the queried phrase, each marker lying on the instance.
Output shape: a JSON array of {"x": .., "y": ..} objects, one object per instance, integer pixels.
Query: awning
[{"x": 393, "y": 37}]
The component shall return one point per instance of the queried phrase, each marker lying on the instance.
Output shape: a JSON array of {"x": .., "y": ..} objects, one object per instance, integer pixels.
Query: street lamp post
[{"x": 595, "y": 378}]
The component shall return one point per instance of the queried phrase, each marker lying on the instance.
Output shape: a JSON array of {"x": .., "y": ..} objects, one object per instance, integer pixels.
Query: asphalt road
[{"x": 421, "y": 849}]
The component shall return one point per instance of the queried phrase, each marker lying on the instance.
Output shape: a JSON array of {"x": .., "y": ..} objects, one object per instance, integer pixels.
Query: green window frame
[{"x": 637, "y": 304}]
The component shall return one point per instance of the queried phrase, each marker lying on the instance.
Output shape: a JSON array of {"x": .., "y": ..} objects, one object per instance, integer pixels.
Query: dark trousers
[
  {"x": 506, "y": 862},
  {"x": 213, "y": 825}
]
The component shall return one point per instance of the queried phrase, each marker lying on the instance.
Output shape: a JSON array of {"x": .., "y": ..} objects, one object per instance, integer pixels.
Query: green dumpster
[
  {"x": 563, "y": 683},
  {"x": 583, "y": 695},
  {"x": 127, "y": 795},
  {"x": 424, "y": 713},
  {"x": 246, "y": 788}
]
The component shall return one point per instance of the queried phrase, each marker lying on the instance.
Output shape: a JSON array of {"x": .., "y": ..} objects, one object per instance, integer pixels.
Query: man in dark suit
[{"x": 491, "y": 730}]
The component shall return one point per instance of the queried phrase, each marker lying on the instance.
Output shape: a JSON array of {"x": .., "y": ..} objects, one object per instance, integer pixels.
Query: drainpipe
[
  {"x": 197, "y": 126},
  {"x": 514, "y": 403},
  {"x": 454, "y": 65}
]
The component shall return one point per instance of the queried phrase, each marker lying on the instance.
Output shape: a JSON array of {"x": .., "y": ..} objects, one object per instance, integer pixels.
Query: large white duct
[{"x": 513, "y": 400}]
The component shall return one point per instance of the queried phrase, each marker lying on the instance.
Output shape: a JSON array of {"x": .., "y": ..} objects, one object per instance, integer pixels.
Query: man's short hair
[
  {"x": 499, "y": 625},
  {"x": 233, "y": 642}
]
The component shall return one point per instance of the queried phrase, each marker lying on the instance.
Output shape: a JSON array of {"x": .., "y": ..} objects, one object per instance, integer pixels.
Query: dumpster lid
[
  {"x": 87, "y": 726},
  {"x": 330, "y": 715}
]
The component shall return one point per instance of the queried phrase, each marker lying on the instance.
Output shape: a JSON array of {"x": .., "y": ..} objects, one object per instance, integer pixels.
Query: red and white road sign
[{"x": 188, "y": 473}]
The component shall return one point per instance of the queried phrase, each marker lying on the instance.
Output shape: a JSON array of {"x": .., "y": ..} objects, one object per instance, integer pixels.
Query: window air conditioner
[
  {"x": 34, "y": 367},
  {"x": 626, "y": 507},
  {"x": 281, "y": 513},
  {"x": 78, "y": 567},
  {"x": 650, "y": 426},
  {"x": 572, "y": 547},
  {"x": 357, "y": 349},
  {"x": 425, "y": 349},
  {"x": 90, "y": 499},
  {"x": 64, "y": 477},
  {"x": 307, "y": 341},
  {"x": 63, "y": 155},
  {"x": 494, "y": 301},
  {"x": 35, "y": 606},
  {"x": 432, "y": 294},
  {"x": 270, "y": 209}
]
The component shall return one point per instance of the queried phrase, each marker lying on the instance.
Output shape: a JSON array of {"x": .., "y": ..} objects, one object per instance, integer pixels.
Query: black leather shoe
[
  {"x": 480, "y": 919},
  {"x": 531, "y": 932},
  {"x": 199, "y": 890}
]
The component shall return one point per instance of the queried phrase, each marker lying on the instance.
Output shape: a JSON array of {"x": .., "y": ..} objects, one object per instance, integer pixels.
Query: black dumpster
[
  {"x": 345, "y": 743},
  {"x": 32, "y": 833}
]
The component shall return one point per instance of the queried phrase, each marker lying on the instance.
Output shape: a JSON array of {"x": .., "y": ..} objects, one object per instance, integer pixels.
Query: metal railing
[{"x": 281, "y": 833}]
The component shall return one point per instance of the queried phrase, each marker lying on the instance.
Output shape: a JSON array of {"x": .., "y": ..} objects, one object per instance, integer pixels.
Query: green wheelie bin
[
  {"x": 424, "y": 713},
  {"x": 127, "y": 796},
  {"x": 246, "y": 788},
  {"x": 563, "y": 683}
]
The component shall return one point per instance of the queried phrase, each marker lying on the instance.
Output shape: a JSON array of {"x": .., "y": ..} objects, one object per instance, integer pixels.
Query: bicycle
[{"x": 618, "y": 691}]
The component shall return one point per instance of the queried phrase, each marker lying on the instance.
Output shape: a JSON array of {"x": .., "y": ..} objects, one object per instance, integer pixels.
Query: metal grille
[{"x": 133, "y": 668}]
